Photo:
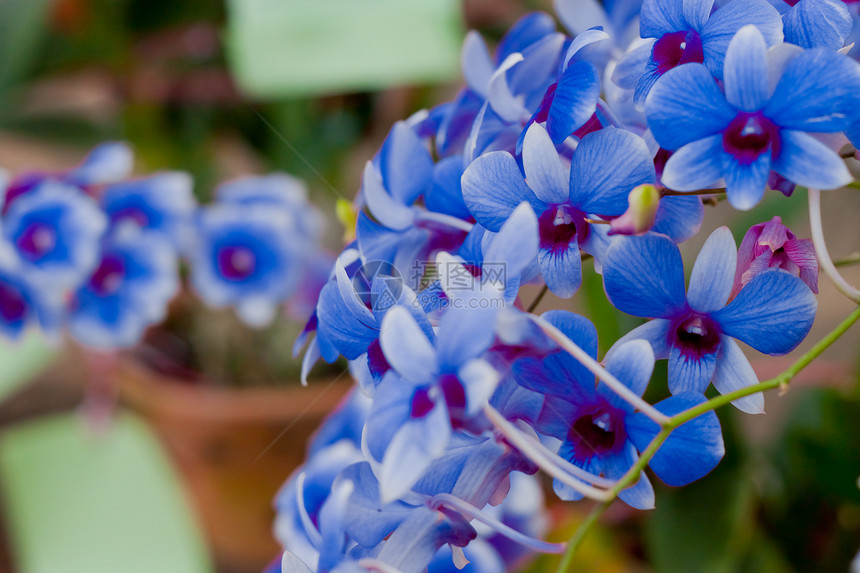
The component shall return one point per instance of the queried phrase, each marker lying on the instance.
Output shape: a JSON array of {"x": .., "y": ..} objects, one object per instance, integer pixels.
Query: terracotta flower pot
[{"x": 235, "y": 448}]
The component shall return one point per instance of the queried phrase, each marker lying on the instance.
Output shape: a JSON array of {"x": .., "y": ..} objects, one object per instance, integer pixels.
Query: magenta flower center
[
  {"x": 749, "y": 135},
  {"x": 560, "y": 225},
  {"x": 37, "y": 240},
  {"x": 13, "y": 307},
  {"x": 448, "y": 388},
  {"x": 236, "y": 262},
  {"x": 422, "y": 402},
  {"x": 108, "y": 277},
  {"x": 597, "y": 432},
  {"x": 677, "y": 48},
  {"x": 697, "y": 335},
  {"x": 376, "y": 361}
]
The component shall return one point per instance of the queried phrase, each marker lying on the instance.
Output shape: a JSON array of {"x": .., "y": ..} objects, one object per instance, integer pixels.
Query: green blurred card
[
  {"x": 308, "y": 47},
  {"x": 22, "y": 360},
  {"x": 82, "y": 503}
]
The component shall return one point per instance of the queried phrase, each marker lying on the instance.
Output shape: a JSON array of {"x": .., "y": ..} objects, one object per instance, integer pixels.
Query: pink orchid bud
[
  {"x": 772, "y": 245},
  {"x": 641, "y": 212}
]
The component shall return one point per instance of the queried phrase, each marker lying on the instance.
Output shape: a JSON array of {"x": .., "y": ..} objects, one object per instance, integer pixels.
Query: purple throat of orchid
[
  {"x": 696, "y": 335},
  {"x": 236, "y": 262},
  {"x": 750, "y": 135},
  {"x": 36, "y": 241},
  {"x": 677, "y": 48},
  {"x": 108, "y": 276},
  {"x": 453, "y": 393},
  {"x": 560, "y": 225},
  {"x": 597, "y": 431},
  {"x": 376, "y": 361},
  {"x": 13, "y": 305}
]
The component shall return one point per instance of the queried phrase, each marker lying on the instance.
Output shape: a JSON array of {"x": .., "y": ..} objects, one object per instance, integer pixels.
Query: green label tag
[{"x": 299, "y": 47}]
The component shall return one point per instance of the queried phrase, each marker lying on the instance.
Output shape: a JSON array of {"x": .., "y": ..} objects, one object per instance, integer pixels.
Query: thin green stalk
[
  {"x": 537, "y": 300},
  {"x": 681, "y": 418},
  {"x": 849, "y": 260}
]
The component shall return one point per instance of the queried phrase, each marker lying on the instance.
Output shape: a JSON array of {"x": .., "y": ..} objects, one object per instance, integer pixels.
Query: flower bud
[
  {"x": 772, "y": 245},
  {"x": 641, "y": 212}
]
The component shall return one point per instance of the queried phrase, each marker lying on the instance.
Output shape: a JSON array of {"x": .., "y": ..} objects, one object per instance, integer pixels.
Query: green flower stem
[
  {"x": 852, "y": 259},
  {"x": 681, "y": 418}
]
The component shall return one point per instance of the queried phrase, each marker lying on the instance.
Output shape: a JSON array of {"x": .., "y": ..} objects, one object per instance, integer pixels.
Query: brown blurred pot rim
[{"x": 142, "y": 388}]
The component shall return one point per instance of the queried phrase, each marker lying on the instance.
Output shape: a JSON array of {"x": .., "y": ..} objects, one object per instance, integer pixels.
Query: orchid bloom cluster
[
  {"x": 597, "y": 146},
  {"x": 97, "y": 253}
]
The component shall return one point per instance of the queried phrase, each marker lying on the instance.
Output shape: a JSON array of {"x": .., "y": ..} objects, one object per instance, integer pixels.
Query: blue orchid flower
[
  {"x": 404, "y": 233},
  {"x": 688, "y": 32},
  {"x": 644, "y": 276},
  {"x": 758, "y": 124},
  {"x": 350, "y": 321},
  {"x": 451, "y": 123},
  {"x": 55, "y": 231},
  {"x": 300, "y": 499},
  {"x": 437, "y": 384},
  {"x": 163, "y": 203},
  {"x": 531, "y": 88},
  {"x": 128, "y": 291},
  {"x": 606, "y": 166},
  {"x": 599, "y": 431},
  {"x": 490, "y": 263},
  {"x": 22, "y": 305}
]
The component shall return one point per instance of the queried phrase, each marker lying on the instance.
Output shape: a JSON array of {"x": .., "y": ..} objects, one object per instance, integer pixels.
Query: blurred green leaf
[
  {"x": 22, "y": 360},
  {"x": 705, "y": 526},
  {"x": 291, "y": 47},
  {"x": 23, "y": 23},
  {"x": 821, "y": 445},
  {"x": 765, "y": 555},
  {"x": 812, "y": 502}
]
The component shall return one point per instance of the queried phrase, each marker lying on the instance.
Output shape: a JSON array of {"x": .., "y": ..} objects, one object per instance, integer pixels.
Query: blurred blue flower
[
  {"x": 128, "y": 291},
  {"x": 55, "y": 230},
  {"x": 248, "y": 257},
  {"x": 163, "y": 203},
  {"x": 21, "y": 305}
]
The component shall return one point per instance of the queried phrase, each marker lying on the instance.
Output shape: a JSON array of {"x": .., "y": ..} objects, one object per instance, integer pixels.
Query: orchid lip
[
  {"x": 560, "y": 225},
  {"x": 696, "y": 335},
  {"x": 750, "y": 135},
  {"x": 597, "y": 431},
  {"x": 677, "y": 48}
]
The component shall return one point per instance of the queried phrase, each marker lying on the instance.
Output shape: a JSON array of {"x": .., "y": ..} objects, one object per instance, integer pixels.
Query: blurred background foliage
[{"x": 161, "y": 74}]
